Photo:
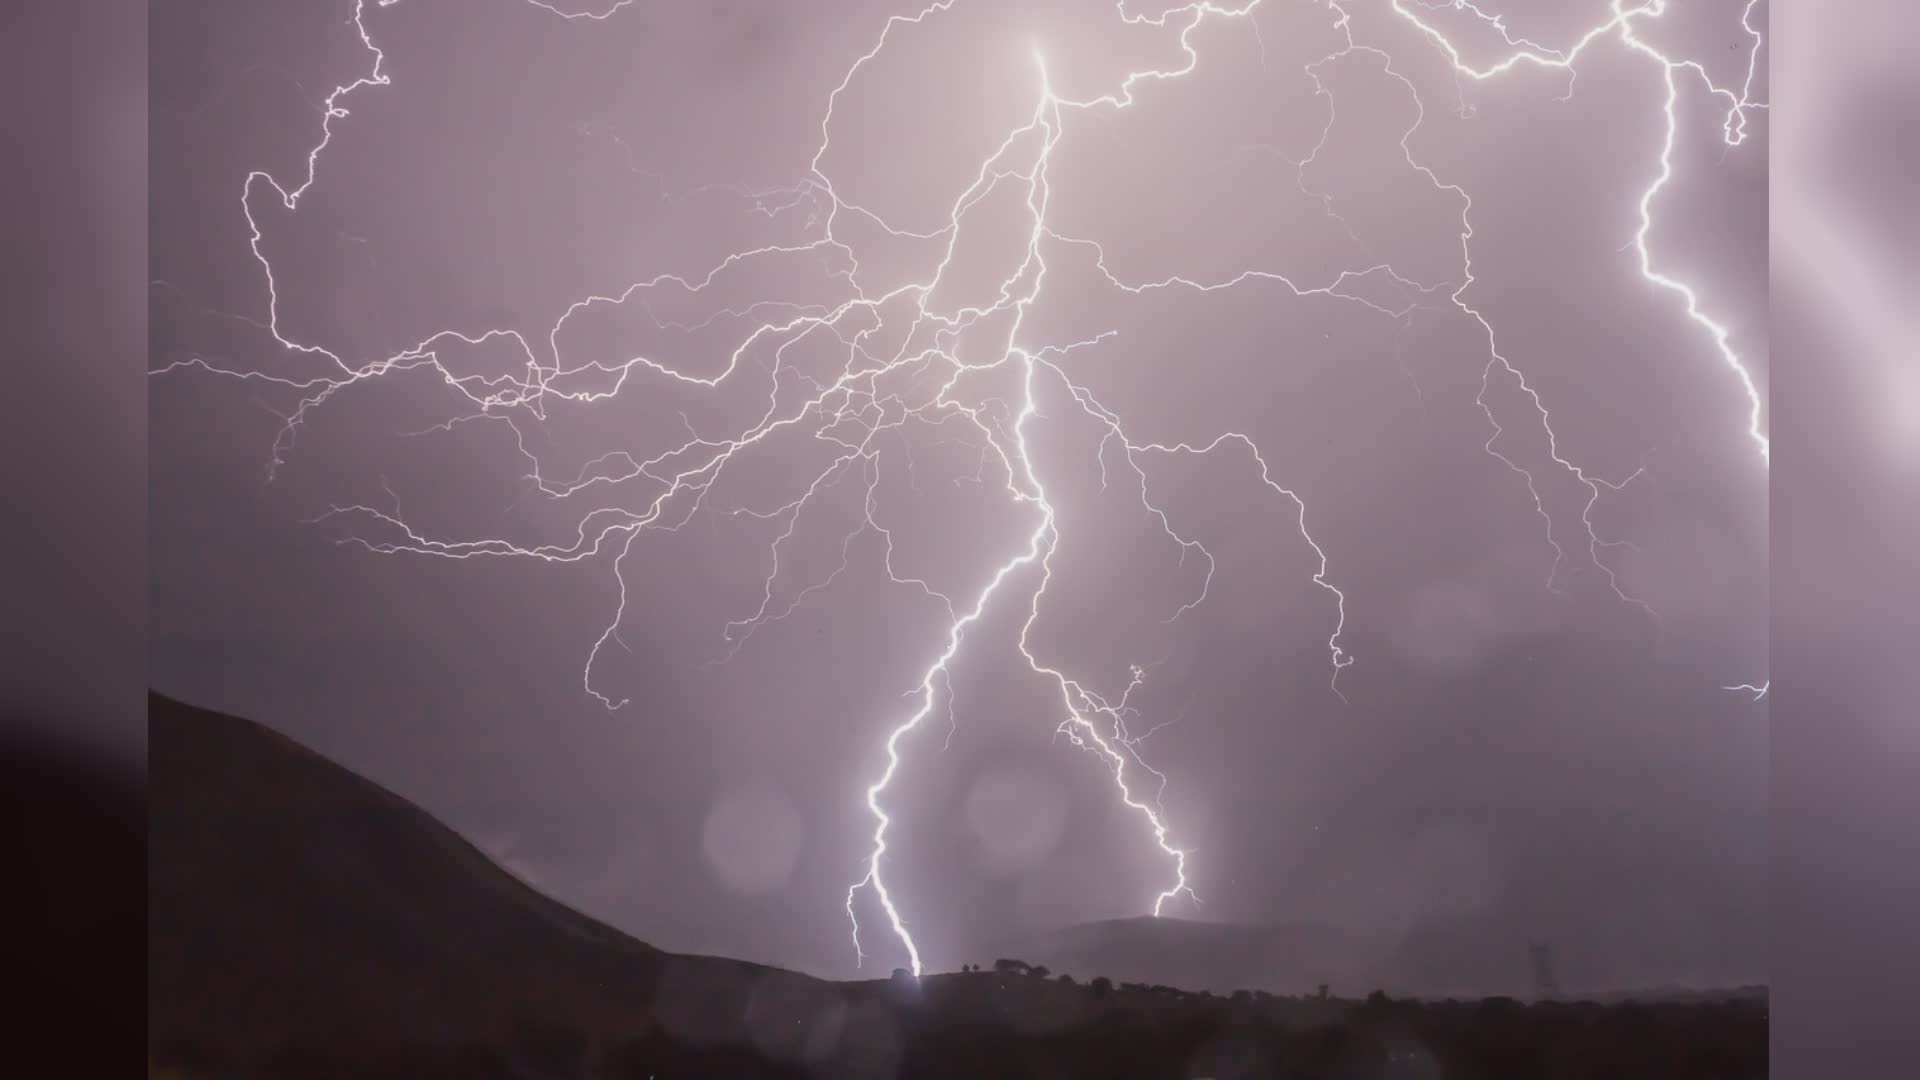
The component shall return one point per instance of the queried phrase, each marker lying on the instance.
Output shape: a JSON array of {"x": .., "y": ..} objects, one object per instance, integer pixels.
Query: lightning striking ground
[{"x": 864, "y": 409}]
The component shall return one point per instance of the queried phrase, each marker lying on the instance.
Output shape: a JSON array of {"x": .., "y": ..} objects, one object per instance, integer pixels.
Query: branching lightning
[
  {"x": 1621, "y": 26},
  {"x": 862, "y": 413}
]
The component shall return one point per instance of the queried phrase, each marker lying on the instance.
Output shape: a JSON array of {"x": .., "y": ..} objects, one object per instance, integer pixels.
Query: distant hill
[
  {"x": 1464, "y": 959},
  {"x": 1221, "y": 957},
  {"x": 286, "y": 894}
]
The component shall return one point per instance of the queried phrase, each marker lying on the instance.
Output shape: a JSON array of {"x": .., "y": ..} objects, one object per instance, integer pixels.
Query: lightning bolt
[
  {"x": 864, "y": 410},
  {"x": 1734, "y": 132},
  {"x": 1081, "y": 705},
  {"x": 1619, "y": 26}
]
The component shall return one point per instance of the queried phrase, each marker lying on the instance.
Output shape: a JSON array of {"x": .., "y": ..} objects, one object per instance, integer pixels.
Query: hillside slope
[{"x": 285, "y": 893}]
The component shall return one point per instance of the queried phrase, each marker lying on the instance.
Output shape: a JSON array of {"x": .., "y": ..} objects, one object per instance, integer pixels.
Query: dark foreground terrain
[{"x": 303, "y": 922}]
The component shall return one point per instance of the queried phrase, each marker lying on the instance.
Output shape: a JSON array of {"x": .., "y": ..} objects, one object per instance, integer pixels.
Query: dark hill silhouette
[
  {"x": 1459, "y": 958},
  {"x": 304, "y": 922},
  {"x": 285, "y": 893},
  {"x": 1221, "y": 957},
  {"x": 1462, "y": 959}
]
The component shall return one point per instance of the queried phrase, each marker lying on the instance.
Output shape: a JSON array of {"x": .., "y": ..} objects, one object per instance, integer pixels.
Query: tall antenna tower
[{"x": 1540, "y": 954}]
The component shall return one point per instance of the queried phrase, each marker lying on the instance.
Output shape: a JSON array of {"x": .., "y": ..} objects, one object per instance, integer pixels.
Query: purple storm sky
[{"x": 869, "y": 331}]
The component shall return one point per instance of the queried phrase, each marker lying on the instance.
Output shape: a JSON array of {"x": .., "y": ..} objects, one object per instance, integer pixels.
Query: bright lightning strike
[
  {"x": 876, "y": 394},
  {"x": 1621, "y": 26}
]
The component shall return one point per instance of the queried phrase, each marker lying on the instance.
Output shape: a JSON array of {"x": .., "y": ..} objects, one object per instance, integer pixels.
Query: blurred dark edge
[
  {"x": 1846, "y": 903},
  {"x": 1845, "y": 908},
  {"x": 72, "y": 658}
]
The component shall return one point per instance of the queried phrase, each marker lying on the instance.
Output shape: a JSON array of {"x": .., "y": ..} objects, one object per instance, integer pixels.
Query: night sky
[{"x": 1545, "y": 743}]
